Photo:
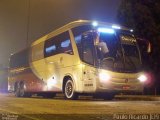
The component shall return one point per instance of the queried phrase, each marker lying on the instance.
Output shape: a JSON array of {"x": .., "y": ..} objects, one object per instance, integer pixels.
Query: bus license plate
[{"x": 126, "y": 87}]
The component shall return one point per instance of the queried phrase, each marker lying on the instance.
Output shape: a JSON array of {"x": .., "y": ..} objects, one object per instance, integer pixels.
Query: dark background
[{"x": 23, "y": 21}]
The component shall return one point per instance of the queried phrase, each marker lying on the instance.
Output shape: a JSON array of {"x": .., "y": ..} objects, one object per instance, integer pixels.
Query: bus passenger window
[
  {"x": 50, "y": 48},
  {"x": 58, "y": 44},
  {"x": 66, "y": 47}
]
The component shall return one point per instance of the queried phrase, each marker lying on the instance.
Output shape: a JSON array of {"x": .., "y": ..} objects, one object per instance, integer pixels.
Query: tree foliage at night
[
  {"x": 144, "y": 17},
  {"x": 141, "y": 15}
]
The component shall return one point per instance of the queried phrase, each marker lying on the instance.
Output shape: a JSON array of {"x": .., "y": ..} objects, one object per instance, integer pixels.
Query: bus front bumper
[{"x": 119, "y": 87}]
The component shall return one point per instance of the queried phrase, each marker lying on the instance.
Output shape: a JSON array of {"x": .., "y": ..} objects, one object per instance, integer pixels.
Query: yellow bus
[{"x": 82, "y": 57}]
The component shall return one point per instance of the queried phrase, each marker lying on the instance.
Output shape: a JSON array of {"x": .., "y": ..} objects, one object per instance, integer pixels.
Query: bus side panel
[
  {"x": 77, "y": 76},
  {"x": 90, "y": 79},
  {"x": 25, "y": 75},
  {"x": 52, "y": 66}
]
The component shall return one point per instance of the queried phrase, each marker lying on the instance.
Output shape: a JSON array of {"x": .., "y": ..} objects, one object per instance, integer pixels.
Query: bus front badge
[{"x": 126, "y": 80}]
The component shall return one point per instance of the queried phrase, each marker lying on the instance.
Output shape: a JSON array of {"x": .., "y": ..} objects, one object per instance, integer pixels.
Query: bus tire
[
  {"x": 22, "y": 92},
  {"x": 69, "y": 90},
  {"x": 17, "y": 90}
]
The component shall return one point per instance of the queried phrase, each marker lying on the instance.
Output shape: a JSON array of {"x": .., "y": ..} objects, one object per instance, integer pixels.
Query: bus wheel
[
  {"x": 69, "y": 90},
  {"x": 22, "y": 92},
  {"x": 17, "y": 90}
]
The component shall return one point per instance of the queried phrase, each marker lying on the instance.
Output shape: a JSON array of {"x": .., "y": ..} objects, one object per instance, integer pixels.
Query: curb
[{"x": 138, "y": 97}]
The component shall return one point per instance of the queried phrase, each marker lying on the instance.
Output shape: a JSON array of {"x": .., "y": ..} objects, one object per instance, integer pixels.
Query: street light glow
[{"x": 95, "y": 23}]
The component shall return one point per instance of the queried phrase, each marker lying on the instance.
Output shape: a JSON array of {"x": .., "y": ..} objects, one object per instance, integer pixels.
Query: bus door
[{"x": 88, "y": 57}]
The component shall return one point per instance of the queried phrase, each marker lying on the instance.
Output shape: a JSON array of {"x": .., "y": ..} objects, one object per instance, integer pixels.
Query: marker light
[
  {"x": 104, "y": 77},
  {"x": 131, "y": 30},
  {"x": 116, "y": 27},
  {"x": 106, "y": 30},
  {"x": 149, "y": 48},
  {"x": 95, "y": 23},
  {"x": 142, "y": 78},
  {"x": 51, "y": 82}
]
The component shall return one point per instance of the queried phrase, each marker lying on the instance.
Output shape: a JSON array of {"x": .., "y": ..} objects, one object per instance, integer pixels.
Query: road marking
[{"x": 11, "y": 112}]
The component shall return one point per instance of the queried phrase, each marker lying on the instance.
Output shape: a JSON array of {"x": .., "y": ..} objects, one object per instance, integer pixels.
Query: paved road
[{"x": 36, "y": 107}]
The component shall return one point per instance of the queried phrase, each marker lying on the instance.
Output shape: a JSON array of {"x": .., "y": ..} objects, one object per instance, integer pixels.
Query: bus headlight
[
  {"x": 142, "y": 78},
  {"x": 104, "y": 77}
]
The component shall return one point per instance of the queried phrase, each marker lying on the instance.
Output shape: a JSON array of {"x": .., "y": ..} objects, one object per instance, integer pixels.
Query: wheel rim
[{"x": 69, "y": 89}]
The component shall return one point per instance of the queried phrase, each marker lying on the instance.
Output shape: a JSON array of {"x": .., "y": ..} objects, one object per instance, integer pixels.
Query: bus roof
[{"x": 72, "y": 25}]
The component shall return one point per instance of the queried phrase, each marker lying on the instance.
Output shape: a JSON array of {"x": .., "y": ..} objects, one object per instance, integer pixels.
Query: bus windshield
[{"x": 118, "y": 52}]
